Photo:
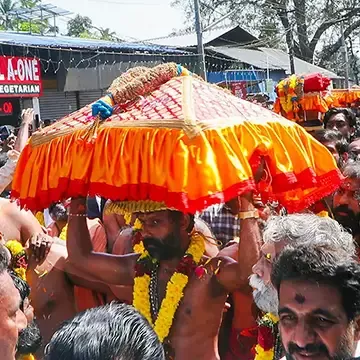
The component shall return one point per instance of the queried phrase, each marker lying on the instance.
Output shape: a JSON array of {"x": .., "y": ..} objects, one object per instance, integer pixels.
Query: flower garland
[
  {"x": 175, "y": 287},
  {"x": 27, "y": 357},
  {"x": 19, "y": 265},
  {"x": 267, "y": 333},
  {"x": 290, "y": 92},
  {"x": 19, "y": 261}
]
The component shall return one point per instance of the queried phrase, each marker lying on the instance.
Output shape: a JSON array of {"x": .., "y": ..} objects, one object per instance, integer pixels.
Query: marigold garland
[
  {"x": 27, "y": 357},
  {"x": 19, "y": 262},
  {"x": 265, "y": 349},
  {"x": 175, "y": 287}
]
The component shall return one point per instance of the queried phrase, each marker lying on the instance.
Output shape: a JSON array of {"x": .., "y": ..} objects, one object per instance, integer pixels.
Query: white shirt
[{"x": 8, "y": 170}]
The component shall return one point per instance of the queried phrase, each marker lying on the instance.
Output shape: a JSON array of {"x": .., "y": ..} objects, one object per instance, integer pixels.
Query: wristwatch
[{"x": 252, "y": 214}]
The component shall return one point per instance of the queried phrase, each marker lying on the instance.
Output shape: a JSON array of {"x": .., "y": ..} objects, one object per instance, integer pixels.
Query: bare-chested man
[
  {"x": 194, "y": 331},
  {"x": 51, "y": 292},
  {"x": 122, "y": 241}
]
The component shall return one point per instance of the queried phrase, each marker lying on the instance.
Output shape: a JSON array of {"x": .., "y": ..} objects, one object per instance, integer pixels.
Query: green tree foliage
[{"x": 80, "y": 26}]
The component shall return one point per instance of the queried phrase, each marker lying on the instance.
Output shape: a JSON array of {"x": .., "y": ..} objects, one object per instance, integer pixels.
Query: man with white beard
[{"x": 296, "y": 229}]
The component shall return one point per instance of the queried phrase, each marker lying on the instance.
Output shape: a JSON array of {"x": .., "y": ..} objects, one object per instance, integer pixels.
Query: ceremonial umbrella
[{"x": 174, "y": 139}]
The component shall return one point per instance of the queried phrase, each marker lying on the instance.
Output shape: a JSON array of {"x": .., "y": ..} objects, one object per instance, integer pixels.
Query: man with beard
[
  {"x": 342, "y": 120},
  {"x": 29, "y": 341},
  {"x": 346, "y": 201},
  {"x": 319, "y": 303},
  {"x": 179, "y": 290},
  {"x": 295, "y": 230}
]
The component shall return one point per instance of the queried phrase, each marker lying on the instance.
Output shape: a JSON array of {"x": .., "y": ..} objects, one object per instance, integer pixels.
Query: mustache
[
  {"x": 344, "y": 209},
  {"x": 309, "y": 348},
  {"x": 256, "y": 283}
]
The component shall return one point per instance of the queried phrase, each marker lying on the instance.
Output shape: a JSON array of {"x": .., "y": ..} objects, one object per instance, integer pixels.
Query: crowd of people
[{"x": 259, "y": 284}]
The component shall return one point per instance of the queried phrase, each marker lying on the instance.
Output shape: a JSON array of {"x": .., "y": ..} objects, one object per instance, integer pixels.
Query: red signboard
[
  {"x": 239, "y": 89},
  {"x": 20, "y": 77}
]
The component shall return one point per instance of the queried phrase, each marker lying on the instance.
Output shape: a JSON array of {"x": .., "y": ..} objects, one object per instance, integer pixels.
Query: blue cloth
[{"x": 102, "y": 108}]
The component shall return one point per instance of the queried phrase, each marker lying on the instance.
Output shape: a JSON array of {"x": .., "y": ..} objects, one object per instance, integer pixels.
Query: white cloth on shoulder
[{"x": 7, "y": 171}]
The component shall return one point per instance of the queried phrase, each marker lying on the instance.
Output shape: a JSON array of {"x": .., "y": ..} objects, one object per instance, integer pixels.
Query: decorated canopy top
[
  {"x": 298, "y": 95},
  {"x": 174, "y": 139}
]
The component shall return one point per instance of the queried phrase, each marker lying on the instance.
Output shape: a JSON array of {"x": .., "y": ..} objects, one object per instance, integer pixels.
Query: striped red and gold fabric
[{"x": 177, "y": 140}]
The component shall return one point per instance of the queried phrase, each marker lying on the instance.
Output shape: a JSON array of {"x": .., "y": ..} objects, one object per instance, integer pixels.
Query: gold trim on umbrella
[{"x": 131, "y": 207}]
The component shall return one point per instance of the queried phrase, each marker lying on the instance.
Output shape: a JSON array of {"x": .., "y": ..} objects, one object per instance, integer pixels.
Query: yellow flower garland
[
  {"x": 261, "y": 354},
  {"x": 27, "y": 357},
  {"x": 174, "y": 289},
  {"x": 268, "y": 320},
  {"x": 16, "y": 248}
]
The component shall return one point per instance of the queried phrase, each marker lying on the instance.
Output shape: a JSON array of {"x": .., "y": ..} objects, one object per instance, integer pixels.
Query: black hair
[
  {"x": 22, "y": 286},
  {"x": 323, "y": 265},
  {"x": 177, "y": 215},
  {"x": 326, "y": 135},
  {"x": 348, "y": 113},
  {"x": 111, "y": 332},
  {"x": 5, "y": 259},
  {"x": 58, "y": 211},
  {"x": 3, "y": 158},
  {"x": 30, "y": 338}
]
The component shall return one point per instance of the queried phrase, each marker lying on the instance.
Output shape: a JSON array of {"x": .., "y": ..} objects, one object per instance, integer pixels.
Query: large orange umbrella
[{"x": 176, "y": 139}]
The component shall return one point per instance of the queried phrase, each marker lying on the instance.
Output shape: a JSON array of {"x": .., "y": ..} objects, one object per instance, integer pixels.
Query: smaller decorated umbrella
[{"x": 165, "y": 135}]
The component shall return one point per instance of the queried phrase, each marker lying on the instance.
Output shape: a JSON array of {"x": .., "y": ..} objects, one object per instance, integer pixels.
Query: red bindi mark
[{"x": 300, "y": 298}]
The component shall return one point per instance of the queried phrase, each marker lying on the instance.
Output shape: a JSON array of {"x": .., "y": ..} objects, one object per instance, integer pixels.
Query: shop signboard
[{"x": 20, "y": 77}]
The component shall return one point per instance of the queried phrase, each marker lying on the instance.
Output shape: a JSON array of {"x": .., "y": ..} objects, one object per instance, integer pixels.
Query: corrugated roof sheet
[
  {"x": 255, "y": 58},
  {"x": 301, "y": 66},
  {"x": 188, "y": 40},
  {"x": 19, "y": 39},
  {"x": 217, "y": 33},
  {"x": 272, "y": 58}
]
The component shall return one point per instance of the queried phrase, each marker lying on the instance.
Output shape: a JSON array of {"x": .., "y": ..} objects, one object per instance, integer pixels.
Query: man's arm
[
  {"x": 27, "y": 117},
  {"x": 234, "y": 275},
  {"x": 111, "y": 269}
]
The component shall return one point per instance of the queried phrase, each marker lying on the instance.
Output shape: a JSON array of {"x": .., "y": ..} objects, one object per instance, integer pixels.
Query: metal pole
[
  {"x": 291, "y": 51},
  {"x": 346, "y": 57},
  {"x": 200, "y": 45}
]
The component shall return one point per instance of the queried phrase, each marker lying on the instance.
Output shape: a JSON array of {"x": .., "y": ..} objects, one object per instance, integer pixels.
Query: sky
[{"x": 131, "y": 19}]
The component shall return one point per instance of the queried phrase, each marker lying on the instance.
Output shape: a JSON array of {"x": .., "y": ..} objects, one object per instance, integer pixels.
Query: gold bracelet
[
  {"x": 251, "y": 214},
  {"x": 78, "y": 215}
]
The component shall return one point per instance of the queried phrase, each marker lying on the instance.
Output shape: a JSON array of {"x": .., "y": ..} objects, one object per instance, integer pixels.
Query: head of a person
[
  {"x": 319, "y": 302},
  {"x": 110, "y": 332},
  {"x": 335, "y": 142},
  {"x": 346, "y": 200},
  {"x": 30, "y": 338},
  {"x": 354, "y": 150},
  {"x": 166, "y": 233},
  {"x": 342, "y": 120},
  {"x": 13, "y": 320},
  {"x": 296, "y": 230},
  {"x": 58, "y": 212}
]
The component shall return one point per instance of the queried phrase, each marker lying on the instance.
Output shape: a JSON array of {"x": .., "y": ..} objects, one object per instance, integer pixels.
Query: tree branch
[
  {"x": 327, "y": 24},
  {"x": 331, "y": 49}
]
